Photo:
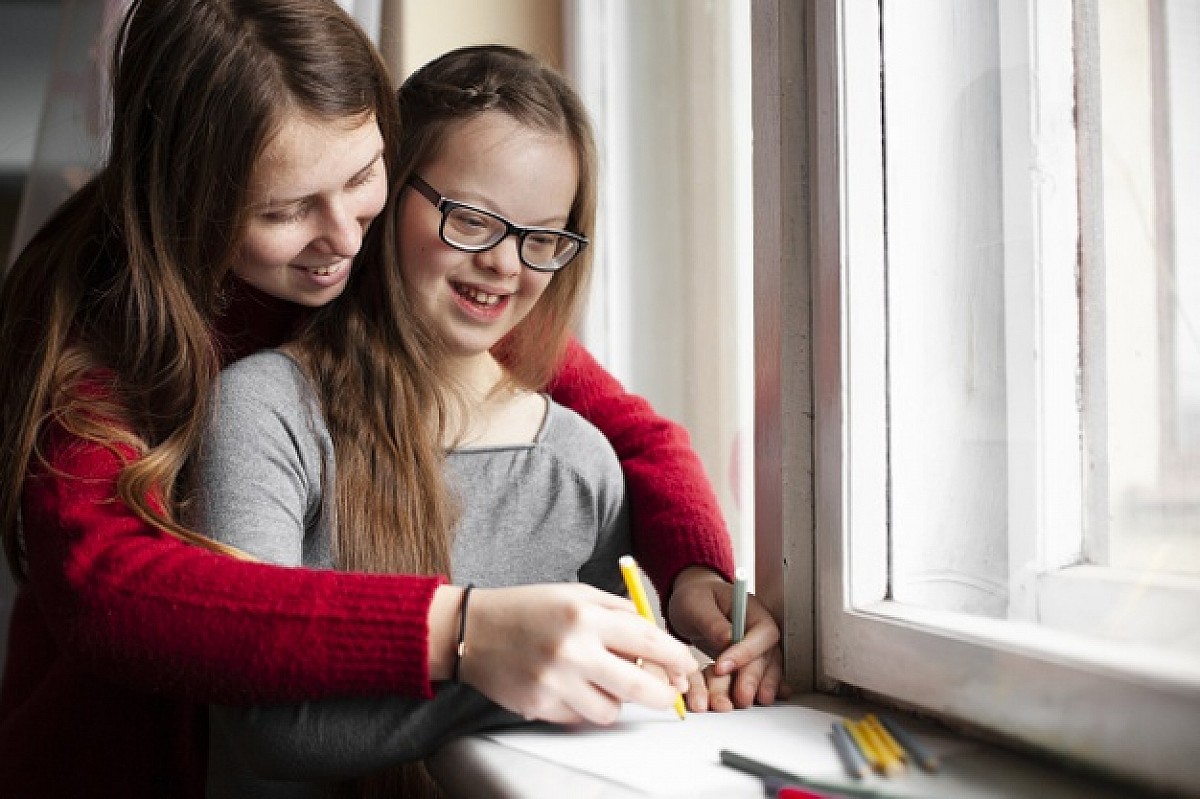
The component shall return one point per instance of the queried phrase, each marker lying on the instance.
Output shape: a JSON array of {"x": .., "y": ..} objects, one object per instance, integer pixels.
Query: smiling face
[
  {"x": 493, "y": 162},
  {"x": 315, "y": 189}
]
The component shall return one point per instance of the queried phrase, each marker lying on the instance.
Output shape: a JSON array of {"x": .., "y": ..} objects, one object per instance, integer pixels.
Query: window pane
[
  {"x": 945, "y": 327},
  {"x": 1042, "y": 286},
  {"x": 962, "y": 394},
  {"x": 1151, "y": 61}
]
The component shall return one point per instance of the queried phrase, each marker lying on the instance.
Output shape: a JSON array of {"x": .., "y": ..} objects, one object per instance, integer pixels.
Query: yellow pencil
[
  {"x": 889, "y": 763},
  {"x": 885, "y": 737},
  {"x": 864, "y": 744},
  {"x": 633, "y": 582}
]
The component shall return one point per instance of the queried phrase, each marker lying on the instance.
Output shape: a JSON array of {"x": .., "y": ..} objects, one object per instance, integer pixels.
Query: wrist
[
  {"x": 687, "y": 593},
  {"x": 444, "y": 620},
  {"x": 460, "y": 648},
  {"x": 691, "y": 575}
]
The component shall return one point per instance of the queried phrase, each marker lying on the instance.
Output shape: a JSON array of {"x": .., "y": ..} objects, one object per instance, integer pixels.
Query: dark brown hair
[
  {"x": 382, "y": 389},
  {"x": 123, "y": 282}
]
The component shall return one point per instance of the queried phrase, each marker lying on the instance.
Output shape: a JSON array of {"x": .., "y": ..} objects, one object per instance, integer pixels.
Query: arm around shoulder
[{"x": 130, "y": 602}]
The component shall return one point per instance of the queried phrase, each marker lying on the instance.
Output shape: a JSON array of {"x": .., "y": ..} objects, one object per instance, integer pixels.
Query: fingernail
[{"x": 727, "y": 667}]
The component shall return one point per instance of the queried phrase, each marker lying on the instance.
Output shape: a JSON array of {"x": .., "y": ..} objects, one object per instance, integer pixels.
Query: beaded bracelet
[{"x": 462, "y": 633}]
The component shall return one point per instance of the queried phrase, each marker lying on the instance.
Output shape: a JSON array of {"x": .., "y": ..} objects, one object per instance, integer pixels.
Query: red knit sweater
[{"x": 121, "y": 634}]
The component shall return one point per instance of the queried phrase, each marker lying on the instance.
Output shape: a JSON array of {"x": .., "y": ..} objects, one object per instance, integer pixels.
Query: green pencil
[
  {"x": 751, "y": 766},
  {"x": 739, "y": 606}
]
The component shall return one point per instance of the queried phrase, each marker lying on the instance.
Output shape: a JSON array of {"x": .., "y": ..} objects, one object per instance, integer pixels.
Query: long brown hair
[
  {"x": 382, "y": 388},
  {"x": 122, "y": 284},
  {"x": 464, "y": 83}
]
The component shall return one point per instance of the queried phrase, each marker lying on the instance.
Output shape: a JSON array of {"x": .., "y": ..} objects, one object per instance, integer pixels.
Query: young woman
[
  {"x": 491, "y": 223},
  {"x": 115, "y": 321}
]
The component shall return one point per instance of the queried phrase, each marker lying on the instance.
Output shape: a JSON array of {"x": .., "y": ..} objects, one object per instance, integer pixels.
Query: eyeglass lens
[{"x": 472, "y": 229}]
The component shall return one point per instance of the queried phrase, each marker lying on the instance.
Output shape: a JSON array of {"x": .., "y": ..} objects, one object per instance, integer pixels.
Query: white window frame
[{"x": 817, "y": 160}]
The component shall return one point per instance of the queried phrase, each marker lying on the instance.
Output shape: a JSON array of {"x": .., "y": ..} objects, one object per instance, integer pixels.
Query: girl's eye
[
  {"x": 471, "y": 225},
  {"x": 364, "y": 177},
  {"x": 472, "y": 221},
  {"x": 542, "y": 242},
  {"x": 286, "y": 216}
]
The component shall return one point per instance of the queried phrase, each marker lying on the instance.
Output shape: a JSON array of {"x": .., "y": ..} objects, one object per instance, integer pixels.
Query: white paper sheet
[{"x": 661, "y": 756}]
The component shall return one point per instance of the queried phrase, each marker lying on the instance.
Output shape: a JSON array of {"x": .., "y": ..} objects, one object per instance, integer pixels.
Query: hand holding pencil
[
  {"x": 701, "y": 611},
  {"x": 564, "y": 653}
]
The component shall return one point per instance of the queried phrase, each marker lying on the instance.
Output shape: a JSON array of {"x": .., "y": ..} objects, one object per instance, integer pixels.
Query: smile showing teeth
[
  {"x": 477, "y": 296},
  {"x": 323, "y": 271}
]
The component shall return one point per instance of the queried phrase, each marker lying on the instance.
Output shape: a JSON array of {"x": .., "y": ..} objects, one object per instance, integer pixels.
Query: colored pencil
[
  {"x": 889, "y": 765},
  {"x": 848, "y": 751},
  {"x": 885, "y": 737},
  {"x": 762, "y": 770},
  {"x": 920, "y": 754},
  {"x": 865, "y": 747},
  {"x": 739, "y": 606},
  {"x": 633, "y": 582}
]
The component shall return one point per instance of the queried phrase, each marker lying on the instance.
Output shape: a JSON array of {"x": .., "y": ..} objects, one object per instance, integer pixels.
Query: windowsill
[{"x": 479, "y": 768}]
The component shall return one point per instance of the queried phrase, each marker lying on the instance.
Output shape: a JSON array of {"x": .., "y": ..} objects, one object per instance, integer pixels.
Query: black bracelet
[{"x": 462, "y": 632}]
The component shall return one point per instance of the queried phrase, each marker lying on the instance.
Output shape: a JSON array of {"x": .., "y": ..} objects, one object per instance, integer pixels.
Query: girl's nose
[{"x": 504, "y": 259}]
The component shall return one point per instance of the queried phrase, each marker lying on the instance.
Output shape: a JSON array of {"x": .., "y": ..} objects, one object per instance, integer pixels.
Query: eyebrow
[
  {"x": 370, "y": 165},
  {"x": 276, "y": 204},
  {"x": 551, "y": 223}
]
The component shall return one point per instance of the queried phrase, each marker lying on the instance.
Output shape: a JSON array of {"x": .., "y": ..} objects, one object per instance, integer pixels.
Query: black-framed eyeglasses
[{"x": 471, "y": 229}]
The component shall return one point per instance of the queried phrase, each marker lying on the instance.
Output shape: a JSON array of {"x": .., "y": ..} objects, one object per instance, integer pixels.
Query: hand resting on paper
[
  {"x": 743, "y": 673},
  {"x": 566, "y": 653}
]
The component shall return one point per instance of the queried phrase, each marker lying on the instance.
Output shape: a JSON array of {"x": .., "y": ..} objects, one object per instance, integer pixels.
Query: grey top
[{"x": 550, "y": 511}]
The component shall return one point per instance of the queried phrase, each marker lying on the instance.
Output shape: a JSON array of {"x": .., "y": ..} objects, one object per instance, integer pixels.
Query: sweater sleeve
[
  {"x": 677, "y": 520},
  {"x": 149, "y": 611}
]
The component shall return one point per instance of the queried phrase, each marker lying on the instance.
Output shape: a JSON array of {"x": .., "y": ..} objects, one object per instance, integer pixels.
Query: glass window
[
  {"x": 1040, "y": 348},
  {"x": 1007, "y": 519},
  {"x": 1146, "y": 344}
]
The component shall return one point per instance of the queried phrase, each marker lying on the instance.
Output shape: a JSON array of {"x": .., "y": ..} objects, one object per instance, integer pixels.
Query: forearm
[{"x": 142, "y": 608}]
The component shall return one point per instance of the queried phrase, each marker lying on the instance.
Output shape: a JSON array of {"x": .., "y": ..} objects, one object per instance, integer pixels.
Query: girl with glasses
[{"x": 485, "y": 246}]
